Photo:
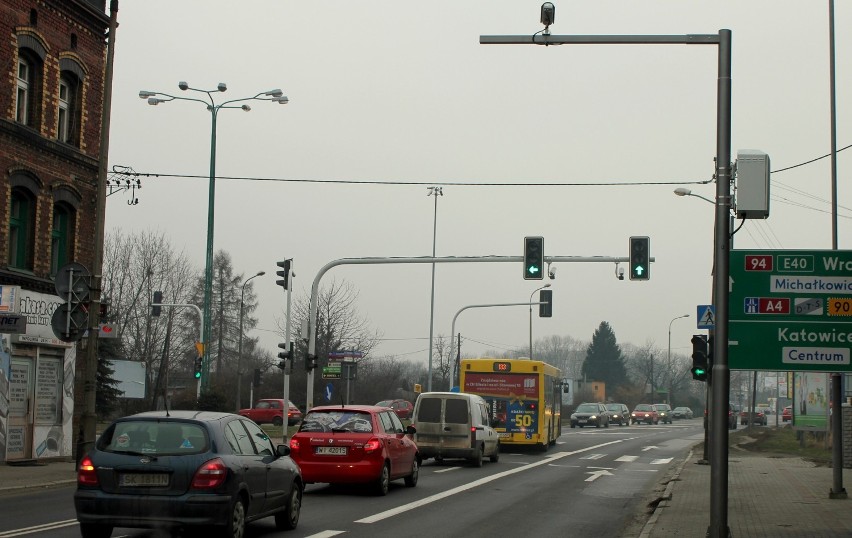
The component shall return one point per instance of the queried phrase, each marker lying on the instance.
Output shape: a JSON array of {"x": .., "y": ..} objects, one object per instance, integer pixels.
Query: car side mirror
[
  {"x": 282, "y": 450},
  {"x": 410, "y": 430}
]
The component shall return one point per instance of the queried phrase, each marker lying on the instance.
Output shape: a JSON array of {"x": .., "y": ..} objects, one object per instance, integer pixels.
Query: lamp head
[
  {"x": 548, "y": 14},
  {"x": 274, "y": 93},
  {"x": 260, "y": 273},
  {"x": 154, "y": 101},
  {"x": 281, "y": 100},
  {"x": 183, "y": 85},
  {"x": 246, "y": 108},
  {"x": 221, "y": 87},
  {"x": 680, "y": 191},
  {"x": 144, "y": 94}
]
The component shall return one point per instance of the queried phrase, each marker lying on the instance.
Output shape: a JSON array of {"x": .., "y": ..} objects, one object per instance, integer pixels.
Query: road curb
[{"x": 666, "y": 497}]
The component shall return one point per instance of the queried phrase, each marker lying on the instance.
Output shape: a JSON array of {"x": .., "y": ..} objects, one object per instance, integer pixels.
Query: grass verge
[{"x": 784, "y": 442}]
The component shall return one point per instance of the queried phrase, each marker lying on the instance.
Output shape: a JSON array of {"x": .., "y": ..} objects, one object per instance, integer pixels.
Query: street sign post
[{"x": 790, "y": 310}]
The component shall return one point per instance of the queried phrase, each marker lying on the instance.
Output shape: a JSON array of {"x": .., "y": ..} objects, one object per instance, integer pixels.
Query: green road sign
[
  {"x": 790, "y": 310},
  {"x": 332, "y": 371}
]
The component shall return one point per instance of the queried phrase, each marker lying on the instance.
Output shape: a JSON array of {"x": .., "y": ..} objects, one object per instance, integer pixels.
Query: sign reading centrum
[{"x": 790, "y": 310}]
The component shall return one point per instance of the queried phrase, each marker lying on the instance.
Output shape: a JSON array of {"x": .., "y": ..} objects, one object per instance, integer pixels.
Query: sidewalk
[{"x": 767, "y": 497}]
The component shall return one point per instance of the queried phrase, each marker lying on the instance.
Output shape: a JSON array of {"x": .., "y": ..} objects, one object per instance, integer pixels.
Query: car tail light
[
  {"x": 294, "y": 445},
  {"x": 372, "y": 445},
  {"x": 86, "y": 473},
  {"x": 210, "y": 475}
]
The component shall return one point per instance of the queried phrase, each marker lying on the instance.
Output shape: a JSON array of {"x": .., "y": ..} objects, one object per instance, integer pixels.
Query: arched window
[
  {"x": 28, "y": 81},
  {"x": 24, "y": 95},
  {"x": 21, "y": 229},
  {"x": 69, "y": 111},
  {"x": 61, "y": 236}
]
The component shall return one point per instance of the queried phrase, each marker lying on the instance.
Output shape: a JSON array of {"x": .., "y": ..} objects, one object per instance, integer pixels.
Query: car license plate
[
  {"x": 331, "y": 450},
  {"x": 582, "y": 421},
  {"x": 143, "y": 479}
]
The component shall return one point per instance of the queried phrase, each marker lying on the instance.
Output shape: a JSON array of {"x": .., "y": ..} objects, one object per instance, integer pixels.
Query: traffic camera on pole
[
  {"x": 533, "y": 258},
  {"x": 640, "y": 258},
  {"x": 699, "y": 357}
]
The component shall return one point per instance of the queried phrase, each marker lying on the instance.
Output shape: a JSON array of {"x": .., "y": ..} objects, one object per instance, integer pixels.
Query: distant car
[
  {"x": 618, "y": 414},
  {"x": 787, "y": 414},
  {"x": 186, "y": 470},
  {"x": 646, "y": 413},
  {"x": 759, "y": 416},
  {"x": 590, "y": 414},
  {"x": 402, "y": 408},
  {"x": 355, "y": 444},
  {"x": 664, "y": 411},
  {"x": 271, "y": 411},
  {"x": 682, "y": 412}
]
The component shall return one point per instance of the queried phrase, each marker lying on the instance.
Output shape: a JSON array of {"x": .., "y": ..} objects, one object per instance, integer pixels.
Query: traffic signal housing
[
  {"x": 257, "y": 377},
  {"x": 284, "y": 273},
  {"x": 310, "y": 362},
  {"x": 640, "y": 258},
  {"x": 156, "y": 309},
  {"x": 699, "y": 357},
  {"x": 199, "y": 360},
  {"x": 533, "y": 258},
  {"x": 545, "y": 310},
  {"x": 284, "y": 355}
]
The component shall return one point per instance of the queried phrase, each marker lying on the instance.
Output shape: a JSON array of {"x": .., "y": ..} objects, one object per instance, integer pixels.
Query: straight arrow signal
[
  {"x": 597, "y": 474},
  {"x": 639, "y": 270}
]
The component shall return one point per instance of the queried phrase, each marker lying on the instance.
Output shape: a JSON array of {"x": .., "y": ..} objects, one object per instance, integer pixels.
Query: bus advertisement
[{"x": 524, "y": 398}]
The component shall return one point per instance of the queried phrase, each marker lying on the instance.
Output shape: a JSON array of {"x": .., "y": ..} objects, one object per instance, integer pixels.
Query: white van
[{"x": 454, "y": 425}]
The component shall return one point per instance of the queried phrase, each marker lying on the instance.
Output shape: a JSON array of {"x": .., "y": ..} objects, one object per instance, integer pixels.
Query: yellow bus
[{"x": 524, "y": 397}]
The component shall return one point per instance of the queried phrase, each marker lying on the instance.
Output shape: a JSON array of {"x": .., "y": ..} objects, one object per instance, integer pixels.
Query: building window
[
  {"x": 21, "y": 229},
  {"x": 60, "y": 236},
  {"x": 68, "y": 112},
  {"x": 22, "y": 104}
]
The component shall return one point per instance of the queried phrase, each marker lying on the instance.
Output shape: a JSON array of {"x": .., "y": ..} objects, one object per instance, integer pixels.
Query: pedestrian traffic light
[
  {"x": 699, "y": 357},
  {"x": 257, "y": 377},
  {"x": 545, "y": 310},
  {"x": 199, "y": 360},
  {"x": 155, "y": 304},
  {"x": 533, "y": 258},
  {"x": 284, "y": 273},
  {"x": 640, "y": 258}
]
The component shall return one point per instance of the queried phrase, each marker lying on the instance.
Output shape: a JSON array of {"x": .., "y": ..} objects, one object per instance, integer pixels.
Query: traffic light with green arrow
[
  {"x": 533, "y": 258},
  {"x": 640, "y": 258}
]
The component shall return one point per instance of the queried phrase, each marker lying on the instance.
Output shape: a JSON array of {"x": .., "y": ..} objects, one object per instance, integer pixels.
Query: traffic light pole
[
  {"x": 312, "y": 316},
  {"x": 200, "y": 332},
  {"x": 288, "y": 368}
]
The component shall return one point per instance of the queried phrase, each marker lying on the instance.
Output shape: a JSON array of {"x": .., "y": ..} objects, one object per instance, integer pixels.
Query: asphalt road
[{"x": 594, "y": 482}]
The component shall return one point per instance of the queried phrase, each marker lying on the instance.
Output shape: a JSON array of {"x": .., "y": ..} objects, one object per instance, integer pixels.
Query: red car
[
  {"x": 402, "y": 408},
  {"x": 271, "y": 411},
  {"x": 355, "y": 444},
  {"x": 787, "y": 414}
]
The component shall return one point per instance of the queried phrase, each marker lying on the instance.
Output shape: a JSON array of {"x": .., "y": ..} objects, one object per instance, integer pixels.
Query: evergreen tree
[{"x": 604, "y": 361}]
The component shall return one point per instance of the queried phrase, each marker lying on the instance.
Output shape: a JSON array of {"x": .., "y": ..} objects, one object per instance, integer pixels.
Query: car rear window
[
  {"x": 455, "y": 411},
  {"x": 154, "y": 438},
  {"x": 338, "y": 420},
  {"x": 587, "y": 408},
  {"x": 429, "y": 410},
  {"x": 642, "y": 407}
]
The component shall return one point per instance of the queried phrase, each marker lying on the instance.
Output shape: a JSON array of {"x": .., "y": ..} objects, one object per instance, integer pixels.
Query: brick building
[{"x": 53, "y": 57}]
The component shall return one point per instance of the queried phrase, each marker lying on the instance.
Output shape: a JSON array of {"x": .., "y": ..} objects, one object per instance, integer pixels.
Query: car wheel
[
  {"x": 384, "y": 481},
  {"x": 236, "y": 526},
  {"x": 288, "y": 518},
  {"x": 476, "y": 460},
  {"x": 411, "y": 480},
  {"x": 91, "y": 530},
  {"x": 277, "y": 421}
]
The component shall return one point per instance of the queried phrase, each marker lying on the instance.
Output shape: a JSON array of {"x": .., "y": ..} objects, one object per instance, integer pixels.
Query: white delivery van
[{"x": 454, "y": 425}]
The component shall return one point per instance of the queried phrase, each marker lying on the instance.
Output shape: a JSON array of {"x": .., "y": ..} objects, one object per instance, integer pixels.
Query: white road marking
[
  {"x": 647, "y": 448},
  {"x": 627, "y": 458},
  {"x": 592, "y": 456},
  {"x": 38, "y": 528},
  {"x": 597, "y": 474},
  {"x": 661, "y": 461},
  {"x": 464, "y": 487},
  {"x": 326, "y": 534},
  {"x": 448, "y": 469}
]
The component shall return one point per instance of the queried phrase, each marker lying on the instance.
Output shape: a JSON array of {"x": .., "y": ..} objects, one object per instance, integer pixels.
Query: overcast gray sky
[{"x": 402, "y": 92}]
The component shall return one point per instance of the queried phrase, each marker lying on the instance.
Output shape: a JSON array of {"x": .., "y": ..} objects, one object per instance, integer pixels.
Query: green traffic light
[
  {"x": 533, "y": 269},
  {"x": 700, "y": 371},
  {"x": 197, "y": 375}
]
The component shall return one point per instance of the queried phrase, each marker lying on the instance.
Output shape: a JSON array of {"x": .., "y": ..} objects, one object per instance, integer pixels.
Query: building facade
[{"x": 53, "y": 58}]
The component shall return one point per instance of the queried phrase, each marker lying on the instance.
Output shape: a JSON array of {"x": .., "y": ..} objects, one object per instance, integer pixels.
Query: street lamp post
[
  {"x": 240, "y": 346},
  {"x": 433, "y": 191},
  {"x": 531, "y": 303},
  {"x": 669, "y": 355},
  {"x": 155, "y": 98}
]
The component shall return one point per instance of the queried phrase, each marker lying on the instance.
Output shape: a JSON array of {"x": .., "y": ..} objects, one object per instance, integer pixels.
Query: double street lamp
[
  {"x": 240, "y": 347},
  {"x": 155, "y": 98}
]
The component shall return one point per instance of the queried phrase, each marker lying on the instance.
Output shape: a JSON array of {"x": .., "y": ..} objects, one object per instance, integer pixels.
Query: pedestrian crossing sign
[{"x": 706, "y": 318}]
